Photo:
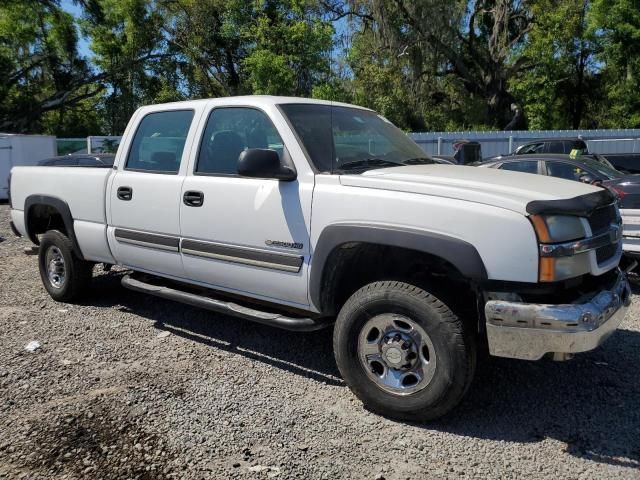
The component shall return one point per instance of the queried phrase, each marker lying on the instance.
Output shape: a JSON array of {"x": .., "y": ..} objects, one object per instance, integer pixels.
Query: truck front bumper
[{"x": 529, "y": 331}]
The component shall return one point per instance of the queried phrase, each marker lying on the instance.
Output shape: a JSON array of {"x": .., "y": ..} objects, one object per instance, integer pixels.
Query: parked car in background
[
  {"x": 627, "y": 162},
  {"x": 587, "y": 170},
  {"x": 79, "y": 160},
  {"x": 444, "y": 159},
  {"x": 552, "y": 145},
  {"x": 465, "y": 153}
]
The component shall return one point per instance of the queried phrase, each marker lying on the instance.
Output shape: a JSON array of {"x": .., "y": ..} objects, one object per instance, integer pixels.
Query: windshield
[
  {"x": 601, "y": 168},
  {"x": 351, "y": 140}
]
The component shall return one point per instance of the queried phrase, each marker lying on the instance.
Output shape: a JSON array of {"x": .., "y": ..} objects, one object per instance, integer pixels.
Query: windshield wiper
[{"x": 366, "y": 162}]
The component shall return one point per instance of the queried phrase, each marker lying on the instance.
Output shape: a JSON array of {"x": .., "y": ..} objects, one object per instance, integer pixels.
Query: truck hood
[{"x": 499, "y": 188}]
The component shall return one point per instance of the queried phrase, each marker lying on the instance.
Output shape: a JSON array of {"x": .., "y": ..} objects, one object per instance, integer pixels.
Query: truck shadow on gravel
[
  {"x": 591, "y": 403},
  {"x": 305, "y": 354}
]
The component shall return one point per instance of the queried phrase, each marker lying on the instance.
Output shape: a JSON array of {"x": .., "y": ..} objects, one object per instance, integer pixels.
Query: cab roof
[{"x": 250, "y": 100}]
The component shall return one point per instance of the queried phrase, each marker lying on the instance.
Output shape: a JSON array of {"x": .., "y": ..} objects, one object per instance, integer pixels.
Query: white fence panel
[{"x": 497, "y": 143}]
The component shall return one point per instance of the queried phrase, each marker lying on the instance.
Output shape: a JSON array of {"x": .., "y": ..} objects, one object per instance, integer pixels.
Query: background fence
[
  {"x": 497, "y": 143},
  {"x": 439, "y": 143},
  {"x": 92, "y": 144}
]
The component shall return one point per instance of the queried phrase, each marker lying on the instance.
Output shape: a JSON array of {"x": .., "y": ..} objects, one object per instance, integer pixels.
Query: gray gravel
[{"x": 128, "y": 386}]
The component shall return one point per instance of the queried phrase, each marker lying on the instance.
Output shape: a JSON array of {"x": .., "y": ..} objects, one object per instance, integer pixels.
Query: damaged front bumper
[{"x": 529, "y": 331}]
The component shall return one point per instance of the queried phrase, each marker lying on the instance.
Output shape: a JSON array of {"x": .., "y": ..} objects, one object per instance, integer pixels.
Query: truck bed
[{"x": 82, "y": 189}]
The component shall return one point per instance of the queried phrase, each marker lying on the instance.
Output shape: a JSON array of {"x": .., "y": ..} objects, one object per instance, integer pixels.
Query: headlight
[
  {"x": 558, "y": 228},
  {"x": 553, "y": 229}
]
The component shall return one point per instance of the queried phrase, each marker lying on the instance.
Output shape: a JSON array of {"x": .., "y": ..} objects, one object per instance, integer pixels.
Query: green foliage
[
  {"x": 127, "y": 42},
  {"x": 289, "y": 46},
  {"x": 424, "y": 64},
  {"x": 557, "y": 88},
  {"x": 616, "y": 24},
  {"x": 41, "y": 69}
]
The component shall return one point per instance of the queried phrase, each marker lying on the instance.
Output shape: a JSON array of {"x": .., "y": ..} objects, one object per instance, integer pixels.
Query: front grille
[
  {"x": 601, "y": 218},
  {"x": 600, "y": 221}
]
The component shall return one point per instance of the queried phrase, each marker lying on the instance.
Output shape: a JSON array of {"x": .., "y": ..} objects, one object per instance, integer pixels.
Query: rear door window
[
  {"x": 564, "y": 170},
  {"x": 527, "y": 166},
  {"x": 159, "y": 141},
  {"x": 531, "y": 148}
]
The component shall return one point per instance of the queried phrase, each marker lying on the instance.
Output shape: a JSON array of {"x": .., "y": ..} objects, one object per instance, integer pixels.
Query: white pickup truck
[{"x": 303, "y": 214}]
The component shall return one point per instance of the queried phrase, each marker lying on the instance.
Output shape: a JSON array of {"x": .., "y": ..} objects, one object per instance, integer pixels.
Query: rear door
[
  {"x": 144, "y": 195},
  {"x": 245, "y": 235}
]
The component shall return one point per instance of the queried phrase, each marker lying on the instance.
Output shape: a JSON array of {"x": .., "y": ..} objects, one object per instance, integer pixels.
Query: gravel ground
[{"x": 129, "y": 386}]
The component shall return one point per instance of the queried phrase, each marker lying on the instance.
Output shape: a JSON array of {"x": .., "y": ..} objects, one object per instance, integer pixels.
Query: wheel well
[
  {"x": 42, "y": 217},
  {"x": 350, "y": 266}
]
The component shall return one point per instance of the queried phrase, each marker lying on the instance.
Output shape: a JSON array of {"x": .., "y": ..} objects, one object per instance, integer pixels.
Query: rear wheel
[
  {"x": 63, "y": 274},
  {"x": 403, "y": 352}
]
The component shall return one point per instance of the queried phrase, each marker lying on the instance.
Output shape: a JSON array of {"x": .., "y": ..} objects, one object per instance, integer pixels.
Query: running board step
[{"x": 221, "y": 306}]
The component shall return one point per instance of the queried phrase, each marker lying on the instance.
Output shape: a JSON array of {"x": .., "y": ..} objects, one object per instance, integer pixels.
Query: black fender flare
[
  {"x": 65, "y": 212},
  {"x": 459, "y": 253}
]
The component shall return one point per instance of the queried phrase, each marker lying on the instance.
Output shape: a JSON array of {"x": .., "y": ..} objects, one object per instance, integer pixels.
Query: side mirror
[{"x": 264, "y": 163}]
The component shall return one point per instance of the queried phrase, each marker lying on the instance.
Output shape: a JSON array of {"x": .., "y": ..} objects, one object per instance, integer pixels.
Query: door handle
[
  {"x": 125, "y": 193},
  {"x": 192, "y": 198}
]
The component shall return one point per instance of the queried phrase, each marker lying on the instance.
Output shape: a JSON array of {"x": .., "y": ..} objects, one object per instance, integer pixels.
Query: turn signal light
[
  {"x": 540, "y": 226},
  {"x": 547, "y": 271}
]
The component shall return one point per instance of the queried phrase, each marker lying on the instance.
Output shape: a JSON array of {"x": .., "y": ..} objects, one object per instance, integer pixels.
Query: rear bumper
[{"x": 529, "y": 331}]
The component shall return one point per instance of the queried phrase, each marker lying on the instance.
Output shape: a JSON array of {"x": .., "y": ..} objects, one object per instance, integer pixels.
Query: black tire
[
  {"x": 455, "y": 350},
  {"x": 77, "y": 272}
]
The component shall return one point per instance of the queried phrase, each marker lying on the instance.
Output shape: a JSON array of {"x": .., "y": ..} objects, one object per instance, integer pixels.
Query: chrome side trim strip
[
  {"x": 244, "y": 255},
  {"x": 151, "y": 240},
  {"x": 256, "y": 257},
  {"x": 613, "y": 235}
]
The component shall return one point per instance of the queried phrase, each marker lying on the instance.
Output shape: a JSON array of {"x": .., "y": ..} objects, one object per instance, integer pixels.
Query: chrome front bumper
[{"x": 528, "y": 331}]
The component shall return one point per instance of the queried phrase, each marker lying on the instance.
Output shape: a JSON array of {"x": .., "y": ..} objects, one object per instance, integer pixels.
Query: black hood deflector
[{"x": 581, "y": 206}]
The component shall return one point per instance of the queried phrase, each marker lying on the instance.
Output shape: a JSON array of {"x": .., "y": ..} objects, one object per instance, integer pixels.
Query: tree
[
  {"x": 616, "y": 23},
  {"x": 230, "y": 47},
  {"x": 128, "y": 46},
  {"x": 469, "y": 44},
  {"x": 205, "y": 38},
  {"x": 561, "y": 83},
  {"x": 42, "y": 70},
  {"x": 289, "y": 48}
]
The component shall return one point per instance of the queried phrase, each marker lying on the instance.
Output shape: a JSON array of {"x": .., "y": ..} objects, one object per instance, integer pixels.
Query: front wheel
[
  {"x": 403, "y": 352},
  {"x": 63, "y": 274}
]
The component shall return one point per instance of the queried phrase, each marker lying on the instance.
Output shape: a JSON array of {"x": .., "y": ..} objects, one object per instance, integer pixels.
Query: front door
[
  {"x": 244, "y": 235},
  {"x": 144, "y": 195}
]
